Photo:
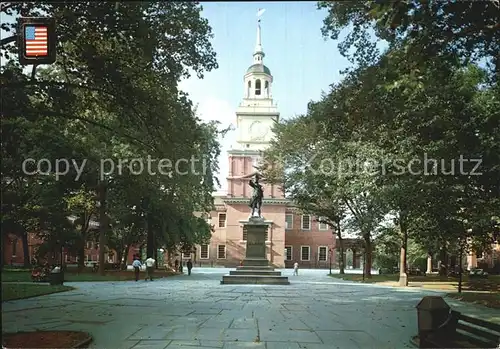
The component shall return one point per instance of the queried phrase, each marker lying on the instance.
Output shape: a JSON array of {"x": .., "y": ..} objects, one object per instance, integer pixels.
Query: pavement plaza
[{"x": 196, "y": 312}]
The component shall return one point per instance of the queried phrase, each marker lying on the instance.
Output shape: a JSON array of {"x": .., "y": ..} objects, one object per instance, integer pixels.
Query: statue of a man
[{"x": 258, "y": 194}]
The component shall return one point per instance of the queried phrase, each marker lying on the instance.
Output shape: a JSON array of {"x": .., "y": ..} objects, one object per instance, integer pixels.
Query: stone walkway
[{"x": 196, "y": 312}]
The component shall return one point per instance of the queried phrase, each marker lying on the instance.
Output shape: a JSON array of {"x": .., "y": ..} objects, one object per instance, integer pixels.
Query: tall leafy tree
[{"x": 112, "y": 94}]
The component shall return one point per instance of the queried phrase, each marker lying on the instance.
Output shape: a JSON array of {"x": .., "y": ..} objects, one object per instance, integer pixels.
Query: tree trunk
[
  {"x": 124, "y": 255},
  {"x": 81, "y": 249},
  {"x": 150, "y": 247},
  {"x": 341, "y": 249},
  {"x": 81, "y": 256},
  {"x": 460, "y": 271},
  {"x": 403, "y": 276},
  {"x": 155, "y": 253},
  {"x": 103, "y": 225},
  {"x": 368, "y": 257},
  {"x": 85, "y": 220},
  {"x": 341, "y": 257},
  {"x": 2, "y": 249},
  {"x": 26, "y": 249},
  {"x": 442, "y": 260}
]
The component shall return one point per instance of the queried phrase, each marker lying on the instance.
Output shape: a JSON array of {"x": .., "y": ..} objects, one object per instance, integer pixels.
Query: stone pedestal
[
  {"x": 255, "y": 268},
  {"x": 429, "y": 265}
]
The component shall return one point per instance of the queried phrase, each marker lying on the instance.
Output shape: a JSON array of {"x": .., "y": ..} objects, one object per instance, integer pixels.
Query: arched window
[
  {"x": 266, "y": 88},
  {"x": 257, "y": 87}
]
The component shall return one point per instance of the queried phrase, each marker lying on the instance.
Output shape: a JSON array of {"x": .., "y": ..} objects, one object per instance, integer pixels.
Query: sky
[{"x": 302, "y": 62}]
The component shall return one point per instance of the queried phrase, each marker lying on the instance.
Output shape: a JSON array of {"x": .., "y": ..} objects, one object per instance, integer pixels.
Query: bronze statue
[{"x": 258, "y": 194}]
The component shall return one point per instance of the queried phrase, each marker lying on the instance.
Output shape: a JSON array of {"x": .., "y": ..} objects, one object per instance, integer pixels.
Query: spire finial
[{"x": 258, "y": 42}]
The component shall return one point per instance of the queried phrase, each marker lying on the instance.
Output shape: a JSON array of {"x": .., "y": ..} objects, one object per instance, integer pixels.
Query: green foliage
[
  {"x": 425, "y": 97},
  {"x": 111, "y": 96},
  {"x": 467, "y": 30}
]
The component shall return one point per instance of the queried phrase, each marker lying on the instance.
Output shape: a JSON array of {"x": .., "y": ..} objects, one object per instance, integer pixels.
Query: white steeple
[
  {"x": 258, "y": 79},
  {"x": 257, "y": 113},
  {"x": 258, "y": 54}
]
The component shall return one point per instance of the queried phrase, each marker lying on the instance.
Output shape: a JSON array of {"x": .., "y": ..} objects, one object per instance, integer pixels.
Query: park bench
[{"x": 456, "y": 331}]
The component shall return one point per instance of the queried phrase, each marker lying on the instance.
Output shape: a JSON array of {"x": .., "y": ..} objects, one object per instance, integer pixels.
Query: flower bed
[{"x": 46, "y": 339}]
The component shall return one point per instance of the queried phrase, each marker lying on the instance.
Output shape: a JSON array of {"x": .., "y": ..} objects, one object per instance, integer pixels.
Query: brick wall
[{"x": 301, "y": 240}]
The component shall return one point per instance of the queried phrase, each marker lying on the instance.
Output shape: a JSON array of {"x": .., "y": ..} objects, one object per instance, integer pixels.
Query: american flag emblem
[{"x": 36, "y": 40}]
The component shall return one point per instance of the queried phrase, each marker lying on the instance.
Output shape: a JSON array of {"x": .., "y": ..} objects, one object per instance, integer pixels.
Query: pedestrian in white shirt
[
  {"x": 296, "y": 268},
  {"x": 137, "y": 267},
  {"x": 150, "y": 263}
]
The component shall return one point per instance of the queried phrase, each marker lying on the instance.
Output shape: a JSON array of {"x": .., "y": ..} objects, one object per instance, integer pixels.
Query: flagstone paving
[{"x": 188, "y": 312}]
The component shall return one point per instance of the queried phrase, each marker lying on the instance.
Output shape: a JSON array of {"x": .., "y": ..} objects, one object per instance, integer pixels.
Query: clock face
[{"x": 258, "y": 131}]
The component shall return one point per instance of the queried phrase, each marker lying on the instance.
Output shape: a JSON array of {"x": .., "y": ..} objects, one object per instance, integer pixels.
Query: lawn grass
[
  {"x": 480, "y": 291},
  {"x": 489, "y": 299},
  {"x": 359, "y": 277},
  {"x": 22, "y": 291},
  {"x": 491, "y": 283},
  {"x": 73, "y": 276}
]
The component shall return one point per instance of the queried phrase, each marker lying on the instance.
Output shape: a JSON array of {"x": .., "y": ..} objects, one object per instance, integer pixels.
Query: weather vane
[{"x": 260, "y": 12}]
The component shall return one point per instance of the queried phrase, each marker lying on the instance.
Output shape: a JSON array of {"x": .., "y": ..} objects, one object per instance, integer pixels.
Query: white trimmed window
[
  {"x": 306, "y": 222},
  {"x": 89, "y": 258},
  {"x": 186, "y": 255},
  {"x": 288, "y": 253},
  {"x": 222, "y": 220},
  {"x": 322, "y": 253},
  {"x": 305, "y": 253},
  {"x": 89, "y": 245},
  {"x": 204, "y": 252},
  {"x": 221, "y": 252},
  {"x": 68, "y": 258},
  {"x": 289, "y": 221},
  {"x": 322, "y": 226}
]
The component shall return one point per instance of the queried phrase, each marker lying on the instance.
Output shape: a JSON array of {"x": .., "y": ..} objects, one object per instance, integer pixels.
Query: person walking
[
  {"x": 189, "y": 266},
  {"x": 150, "y": 264},
  {"x": 296, "y": 268},
  {"x": 137, "y": 267}
]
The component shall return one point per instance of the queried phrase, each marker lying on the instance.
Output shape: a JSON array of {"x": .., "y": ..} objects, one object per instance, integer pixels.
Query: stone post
[
  {"x": 355, "y": 259},
  {"x": 471, "y": 261},
  {"x": 429, "y": 264}
]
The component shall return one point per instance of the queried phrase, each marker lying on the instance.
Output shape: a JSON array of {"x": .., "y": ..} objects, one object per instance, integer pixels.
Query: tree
[
  {"x": 113, "y": 95},
  {"x": 468, "y": 30}
]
